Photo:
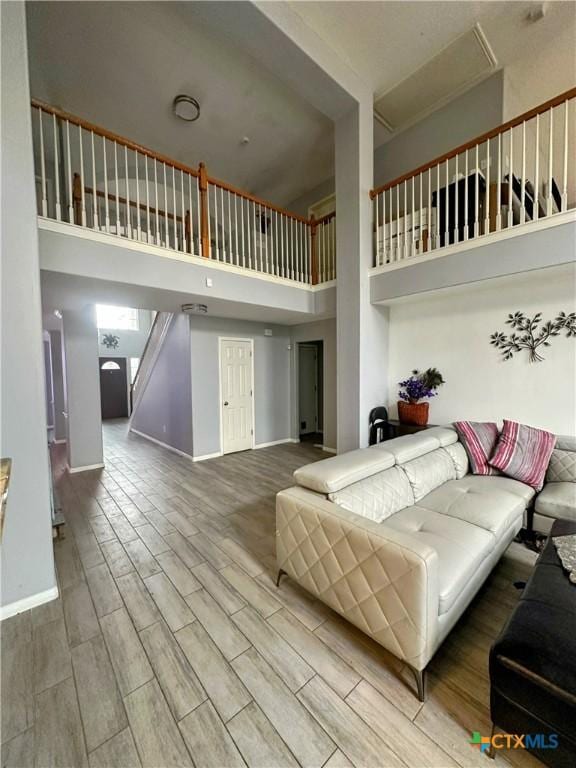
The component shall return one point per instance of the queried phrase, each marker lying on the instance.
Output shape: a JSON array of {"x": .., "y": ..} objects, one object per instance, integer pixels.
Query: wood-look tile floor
[{"x": 170, "y": 645}]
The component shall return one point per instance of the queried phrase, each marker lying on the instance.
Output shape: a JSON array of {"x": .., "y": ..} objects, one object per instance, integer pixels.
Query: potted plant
[{"x": 418, "y": 387}]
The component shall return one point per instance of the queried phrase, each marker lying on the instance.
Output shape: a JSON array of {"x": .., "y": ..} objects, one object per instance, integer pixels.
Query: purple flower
[{"x": 414, "y": 389}]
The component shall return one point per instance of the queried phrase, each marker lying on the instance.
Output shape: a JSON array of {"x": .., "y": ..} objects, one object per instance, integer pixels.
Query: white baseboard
[
  {"x": 60, "y": 441},
  {"x": 208, "y": 456},
  {"x": 328, "y": 450},
  {"x": 73, "y": 470},
  {"x": 277, "y": 442},
  {"x": 161, "y": 444},
  {"x": 28, "y": 602}
]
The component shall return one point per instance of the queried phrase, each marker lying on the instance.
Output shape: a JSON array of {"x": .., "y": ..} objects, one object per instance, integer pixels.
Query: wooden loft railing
[
  {"x": 520, "y": 172},
  {"x": 91, "y": 177}
]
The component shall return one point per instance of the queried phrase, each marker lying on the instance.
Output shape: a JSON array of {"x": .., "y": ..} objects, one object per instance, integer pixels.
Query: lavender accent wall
[{"x": 165, "y": 409}]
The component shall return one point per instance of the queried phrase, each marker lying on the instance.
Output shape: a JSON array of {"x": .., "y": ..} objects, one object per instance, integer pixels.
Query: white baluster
[
  {"x": 237, "y": 259},
  {"x": 537, "y": 172},
  {"x": 147, "y": 199},
  {"x": 265, "y": 224},
  {"x": 128, "y": 211},
  {"x": 69, "y": 176},
  {"x": 223, "y": 225},
  {"x": 412, "y": 222},
  {"x": 397, "y": 249},
  {"x": 438, "y": 207},
  {"x": 421, "y": 218},
  {"x": 118, "y": 226},
  {"x": 456, "y": 202},
  {"x": 43, "y": 167},
  {"x": 476, "y": 193},
  {"x": 252, "y": 223},
  {"x": 499, "y": 186},
  {"x": 138, "y": 220},
  {"x": 158, "y": 238},
  {"x": 466, "y": 206},
  {"x": 216, "y": 228},
  {"x": 106, "y": 201},
  {"x": 405, "y": 222},
  {"x": 174, "y": 211},
  {"x": 182, "y": 213},
  {"x": 82, "y": 197},
  {"x": 510, "y": 174},
  {"x": 564, "y": 200},
  {"x": 95, "y": 224},
  {"x": 487, "y": 193},
  {"x": 191, "y": 215},
  {"x": 446, "y": 206},
  {"x": 550, "y": 164},
  {"x": 431, "y": 228},
  {"x": 377, "y": 259},
  {"x": 199, "y": 230},
  {"x": 56, "y": 170},
  {"x": 382, "y": 256},
  {"x": 523, "y": 180},
  {"x": 244, "y": 244}
]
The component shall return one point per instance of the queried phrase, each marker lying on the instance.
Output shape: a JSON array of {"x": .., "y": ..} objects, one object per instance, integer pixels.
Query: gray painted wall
[
  {"x": 27, "y": 555},
  {"x": 470, "y": 115},
  {"x": 165, "y": 408},
  {"x": 84, "y": 433},
  {"x": 271, "y": 380},
  {"x": 325, "y": 331}
]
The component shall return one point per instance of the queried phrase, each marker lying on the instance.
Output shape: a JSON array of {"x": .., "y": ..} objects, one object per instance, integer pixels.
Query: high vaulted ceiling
[{"x": 121, "y": 64}]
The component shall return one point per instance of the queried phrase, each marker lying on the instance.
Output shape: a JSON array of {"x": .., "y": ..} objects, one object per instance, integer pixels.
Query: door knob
[{"x": 225, "y": 402}]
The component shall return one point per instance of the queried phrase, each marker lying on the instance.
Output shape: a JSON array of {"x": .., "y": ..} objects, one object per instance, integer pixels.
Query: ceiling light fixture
[
  {"x": 186, "y": 108},
  {"x": 194, "y": 309}
]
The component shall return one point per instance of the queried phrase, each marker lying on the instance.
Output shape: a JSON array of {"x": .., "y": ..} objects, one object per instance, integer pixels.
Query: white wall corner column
[
  {"x": 59, "y": 386},
  {"x": 362, "y": 328},
  {"x": 84, "y": 431},
  {"x": 28, "y": 576}
]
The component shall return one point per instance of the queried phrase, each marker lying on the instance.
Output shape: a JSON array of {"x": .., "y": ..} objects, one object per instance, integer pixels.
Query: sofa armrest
[{"x": 383, "y": 581}]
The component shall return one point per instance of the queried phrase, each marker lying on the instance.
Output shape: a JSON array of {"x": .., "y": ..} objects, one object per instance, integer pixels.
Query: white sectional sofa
[
  {"x": 398, "y": 538},
  {"x": 558, "y": 497}
]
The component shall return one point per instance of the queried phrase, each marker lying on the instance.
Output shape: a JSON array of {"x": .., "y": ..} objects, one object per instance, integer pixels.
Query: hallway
[{"x": 170, "y": 641}]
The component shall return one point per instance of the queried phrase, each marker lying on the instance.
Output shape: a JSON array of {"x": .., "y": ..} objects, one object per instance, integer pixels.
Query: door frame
[
  {"x": 310, "y": 345},
  {"x": 251, "y": 342}
]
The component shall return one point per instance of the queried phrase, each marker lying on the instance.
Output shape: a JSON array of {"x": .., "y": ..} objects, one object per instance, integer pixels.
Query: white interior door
[
  {"x": 308, "y": 388},
  {"x": 236, "y": 394}
]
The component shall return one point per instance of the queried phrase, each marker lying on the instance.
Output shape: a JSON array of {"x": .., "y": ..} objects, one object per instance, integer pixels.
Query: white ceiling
[
  {"x": 385, "y": 42},
  {"x": 121, "y": 64}
]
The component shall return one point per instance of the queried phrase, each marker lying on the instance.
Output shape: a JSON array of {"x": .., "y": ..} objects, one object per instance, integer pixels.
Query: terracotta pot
[{"x": 413, "y": 413}]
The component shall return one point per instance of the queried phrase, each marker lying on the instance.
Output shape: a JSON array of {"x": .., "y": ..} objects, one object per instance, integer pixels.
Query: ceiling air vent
[{"x": 462, "y": 64}]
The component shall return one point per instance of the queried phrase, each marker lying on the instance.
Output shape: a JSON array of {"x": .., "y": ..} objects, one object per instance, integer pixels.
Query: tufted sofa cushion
[
  {"x": 376, "y": 497},
  {"x": 461, "y": 547},
  {"x": 489, "y": 508},
  {"x": 429, "y": 472},
  {"x": 458, "y": 454},
  {"x": 562, "y": 467}
]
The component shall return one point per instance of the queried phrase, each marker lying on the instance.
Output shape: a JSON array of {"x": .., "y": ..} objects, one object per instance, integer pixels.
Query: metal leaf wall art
[{"x": 532, "y": 334}]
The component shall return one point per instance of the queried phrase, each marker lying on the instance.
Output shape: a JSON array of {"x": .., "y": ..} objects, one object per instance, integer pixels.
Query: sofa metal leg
[
  {"x": 279, "y": 575},
  {"x": 420, "y": 677},
  {"x": 491, "y": 752}
]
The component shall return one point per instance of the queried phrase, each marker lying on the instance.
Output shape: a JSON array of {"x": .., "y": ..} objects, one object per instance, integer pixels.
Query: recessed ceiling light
[
  {"x": 186, "y": 108},
  {"x": 198, "y": 309}
]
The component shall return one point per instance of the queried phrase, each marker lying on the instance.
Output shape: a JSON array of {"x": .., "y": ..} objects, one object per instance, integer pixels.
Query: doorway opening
[
  {"x": 113, "y": 387},
  {"x": 311, "y": 391}
]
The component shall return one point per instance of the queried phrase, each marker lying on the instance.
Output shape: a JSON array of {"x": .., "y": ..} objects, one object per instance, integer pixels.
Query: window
[
  {"x": 134, "y": 363},
  {"x": 110, "y": 366},
  {"x": 123, "y": 318}
]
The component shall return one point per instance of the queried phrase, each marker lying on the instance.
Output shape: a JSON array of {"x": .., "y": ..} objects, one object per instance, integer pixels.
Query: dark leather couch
[{"x": 533, "y": 662}]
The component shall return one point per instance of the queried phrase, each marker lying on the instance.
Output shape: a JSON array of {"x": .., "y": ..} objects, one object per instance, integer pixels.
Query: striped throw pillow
[
  {"x": 524, "y": 453},
  {"x": 478, "y": 439}
]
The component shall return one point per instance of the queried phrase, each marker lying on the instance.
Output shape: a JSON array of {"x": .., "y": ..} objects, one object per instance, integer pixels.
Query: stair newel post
[
  {"x": 77, "y": 198},
  {"x": 313, "y": 250},
  {"x": 204, "y": 238}
]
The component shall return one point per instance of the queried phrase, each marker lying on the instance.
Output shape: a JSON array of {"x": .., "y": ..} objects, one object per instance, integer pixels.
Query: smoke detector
[{"x": 194, "y": 309}]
